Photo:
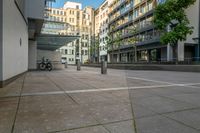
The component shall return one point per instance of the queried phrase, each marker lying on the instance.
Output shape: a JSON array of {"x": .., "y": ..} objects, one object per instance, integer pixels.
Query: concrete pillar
[
  {"x": 108, "y": 59},
  {"x": 148, "y": 55},
  {"x": 118, "y": 57},
  {"x": 103, "y": 67},
  {"x": 169, "y": 53},
  {"x": 78, "y": 65},
  {"x": 32, "y": 55},
  {"x": 181, "y": 51}
]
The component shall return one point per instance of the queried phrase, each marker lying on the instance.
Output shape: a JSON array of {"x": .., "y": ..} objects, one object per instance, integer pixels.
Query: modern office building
[
  {"x": 72, "y": 20},
  {"x": 129, "y": 15}
]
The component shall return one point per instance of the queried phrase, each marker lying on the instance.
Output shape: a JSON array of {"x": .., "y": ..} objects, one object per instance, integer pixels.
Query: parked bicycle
[{"x": 45, "y": 65}]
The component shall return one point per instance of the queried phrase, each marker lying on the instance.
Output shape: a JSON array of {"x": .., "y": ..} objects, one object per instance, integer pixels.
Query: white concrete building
[
  {"x": 101, "y": 28},
  {"x": 74, "y": 5},
  {"x": 19, "y": 24},
  {"x": 103, "y": 21}
]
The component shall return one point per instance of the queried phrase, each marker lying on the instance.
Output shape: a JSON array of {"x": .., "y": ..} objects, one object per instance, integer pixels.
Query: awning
[{"x": 53, "y": 42}]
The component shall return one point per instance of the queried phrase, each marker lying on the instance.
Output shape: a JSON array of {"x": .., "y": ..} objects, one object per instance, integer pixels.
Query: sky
[{"x": 93, "y": 3}]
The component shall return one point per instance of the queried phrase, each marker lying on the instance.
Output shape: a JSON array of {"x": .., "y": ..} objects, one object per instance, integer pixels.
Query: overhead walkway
[{"x": 53, "y": 42}]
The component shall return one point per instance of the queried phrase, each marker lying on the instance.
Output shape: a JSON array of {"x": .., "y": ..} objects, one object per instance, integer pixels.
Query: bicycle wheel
[
  {"x": 42, "y": 66},
  {"x": 49, "y": 66}
]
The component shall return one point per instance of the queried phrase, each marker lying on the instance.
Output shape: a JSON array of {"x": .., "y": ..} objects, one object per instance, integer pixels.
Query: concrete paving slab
[
  {"x": 140, "y": 112},
  {"x": 107, "y": 98},
  {"x": 188, "y": 117},
  {"x": 47, "y": 107},
  {"x": 95, "y": 129},
  {"x": 121, "y": 127},
  {"x": 159, "y": 124},
  {"x": 161, "y": 104},
  {"x": 174, "y": 90},
  {"x": 54, "y": 113},
  {"x": 190, "y": 98},
  {"x": 110, "y": 113},
  {"x": 12, "y": 89},
  {"x": 8, "y": 107}
]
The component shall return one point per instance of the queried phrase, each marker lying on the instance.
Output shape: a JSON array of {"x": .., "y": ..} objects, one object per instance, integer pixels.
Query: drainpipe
[{"x": 199, "y": 32}]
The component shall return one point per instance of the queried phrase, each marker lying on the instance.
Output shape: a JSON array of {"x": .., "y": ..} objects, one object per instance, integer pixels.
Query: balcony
[
  {"x": 122, "y": 13},
  {"x": 117, "y": 5}
]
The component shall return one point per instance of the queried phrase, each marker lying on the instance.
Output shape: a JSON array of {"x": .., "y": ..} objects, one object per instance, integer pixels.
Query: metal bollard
[
  {"x": 103, "y": 67},
  {"x": 66, "y": 65},
  {"x": 78, "y": 65}
]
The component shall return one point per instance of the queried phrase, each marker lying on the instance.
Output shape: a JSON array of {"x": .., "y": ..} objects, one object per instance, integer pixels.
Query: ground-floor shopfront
[{"x": 156, "y": 53}]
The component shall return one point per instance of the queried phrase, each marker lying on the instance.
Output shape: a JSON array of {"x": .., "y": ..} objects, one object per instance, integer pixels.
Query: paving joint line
[
  {"x": 92, "y": 125},
  {"x": 133, "y": 113},
  {"x": 101, "y": 124},
  {"x": 66, "y": 94},
  {"x": 165, "y": 113},
  {"x": 83, "y": 82},
  {"x": 18, "y": 104}
]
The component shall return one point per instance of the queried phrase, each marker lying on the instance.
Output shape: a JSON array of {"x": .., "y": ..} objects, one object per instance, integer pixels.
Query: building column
[
  {"x": 118, "y": 57},
  {"x": 108, "y": 58},
  {"x": 32, "y": 55},
  {"x": 148, "y": 55},
  {"x": 180, "y": 51},
  {"x": 169, "y": 52}
]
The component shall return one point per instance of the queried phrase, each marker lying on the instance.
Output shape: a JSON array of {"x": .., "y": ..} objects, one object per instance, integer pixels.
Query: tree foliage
[
  {"x": 117, "y": 39},
  {"x": 172, "y": 13}
]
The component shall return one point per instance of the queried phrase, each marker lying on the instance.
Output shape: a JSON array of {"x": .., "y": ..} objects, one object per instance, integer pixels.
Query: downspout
[
  {"x": 199, "y": 34},
  {"x": 1, "y": 43}
]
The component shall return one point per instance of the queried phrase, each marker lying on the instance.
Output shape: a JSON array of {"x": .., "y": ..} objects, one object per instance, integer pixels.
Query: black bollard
[
  {"x": 103, "y": 67},
  {"x": 78, "y": 65}
]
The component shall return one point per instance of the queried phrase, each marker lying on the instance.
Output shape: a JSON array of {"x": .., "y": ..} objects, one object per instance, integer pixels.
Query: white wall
[
  {"x": 35, "y": 9},
  {"x": 51, "y": 55},
  {"x": 32, "y": 55},
  {"x": 193, "y": 16},
  {"x": 15, "y": 57}
]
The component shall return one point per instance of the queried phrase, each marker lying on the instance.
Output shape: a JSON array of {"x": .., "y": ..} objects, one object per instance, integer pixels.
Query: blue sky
[{"x": 93, "y": 3}]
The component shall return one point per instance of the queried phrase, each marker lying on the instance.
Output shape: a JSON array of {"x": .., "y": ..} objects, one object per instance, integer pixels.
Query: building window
[
  {"x": 82, "y": 44},
  {"x": 66, "y": 51},
  {"x": 86, "y": 52}
]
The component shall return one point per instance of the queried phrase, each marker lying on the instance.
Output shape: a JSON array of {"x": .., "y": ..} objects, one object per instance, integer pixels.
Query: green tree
[
  {"x": 109, "y": 45},
  {"x": 172, "y": 13},
  {"x": 133, "y": 40},
  {"x": 117, "y": 42},
  {"x": 97, "y": 46}
]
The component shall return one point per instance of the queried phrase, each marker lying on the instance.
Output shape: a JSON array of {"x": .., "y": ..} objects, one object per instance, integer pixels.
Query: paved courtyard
[{"x": 123, "y": 101}]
